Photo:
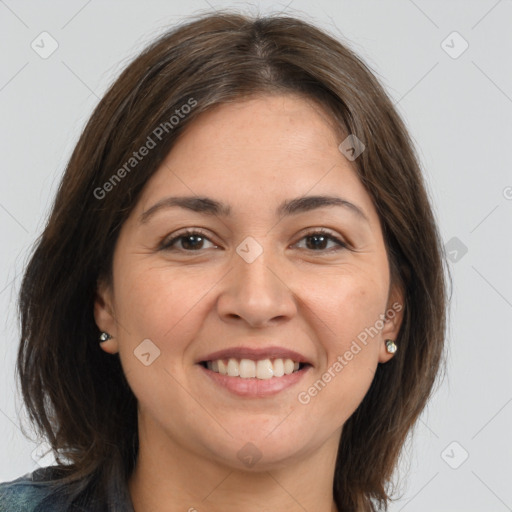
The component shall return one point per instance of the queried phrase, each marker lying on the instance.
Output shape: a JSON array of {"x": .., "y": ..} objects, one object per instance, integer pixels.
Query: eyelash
[{"x": 167, "y": 246}]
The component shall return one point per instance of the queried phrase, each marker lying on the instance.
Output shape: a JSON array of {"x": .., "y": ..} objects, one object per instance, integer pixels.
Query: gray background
[{"x": 458, "y": 107}]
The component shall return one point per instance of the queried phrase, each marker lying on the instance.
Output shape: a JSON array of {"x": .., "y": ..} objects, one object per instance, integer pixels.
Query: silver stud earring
[
  {"x": 390, "y": 346},
  {"x": 105, "y": 336}
]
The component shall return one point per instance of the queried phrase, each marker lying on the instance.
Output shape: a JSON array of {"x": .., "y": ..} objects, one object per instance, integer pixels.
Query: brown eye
[
  {"x": 190, "y": 241},
  {"x": 318, "y": 240}
]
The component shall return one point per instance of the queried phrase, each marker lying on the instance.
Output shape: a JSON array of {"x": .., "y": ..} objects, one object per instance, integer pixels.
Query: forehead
[
  {"x": 254, "y": 151},
  {"x": 269, "y": 125}
]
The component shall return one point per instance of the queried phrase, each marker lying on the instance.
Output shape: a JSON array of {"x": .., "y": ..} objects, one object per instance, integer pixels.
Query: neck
[{"x": 170, "y": 478}]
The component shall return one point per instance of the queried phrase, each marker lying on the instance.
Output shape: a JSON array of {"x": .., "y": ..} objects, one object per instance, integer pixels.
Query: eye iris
[
  {"x": 320, "y": 237},
  {"x": 186, "y": 238}
]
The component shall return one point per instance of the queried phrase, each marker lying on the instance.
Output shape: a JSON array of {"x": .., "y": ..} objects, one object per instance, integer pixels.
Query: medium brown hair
[{"x": 76, "y": 395}]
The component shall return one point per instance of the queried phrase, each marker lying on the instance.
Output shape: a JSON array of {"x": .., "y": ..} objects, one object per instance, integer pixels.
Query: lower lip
[{"x": 254, "y": 387}]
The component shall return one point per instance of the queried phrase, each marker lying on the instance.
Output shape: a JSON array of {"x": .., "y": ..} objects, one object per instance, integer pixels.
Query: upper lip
[{"x": 273, "y": 352}]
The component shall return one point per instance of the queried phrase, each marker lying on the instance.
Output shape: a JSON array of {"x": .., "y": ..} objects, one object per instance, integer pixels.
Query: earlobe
[
  {"x": 390, "y": 347},
  {"x": 392, "y": 323},
  {"x": 387, "y": 350},
  {"x": 108, "y": 343},
  {"x": 105, "y": 319}
]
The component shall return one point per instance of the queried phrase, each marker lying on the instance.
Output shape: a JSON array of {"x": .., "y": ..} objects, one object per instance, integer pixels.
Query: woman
[{"x": 238, "y": 302}]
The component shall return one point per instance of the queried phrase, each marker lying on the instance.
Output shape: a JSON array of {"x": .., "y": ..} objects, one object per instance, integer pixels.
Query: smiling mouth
[{"x": 262, "y": 369}]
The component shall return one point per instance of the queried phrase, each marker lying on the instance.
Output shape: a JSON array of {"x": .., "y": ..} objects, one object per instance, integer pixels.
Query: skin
[{"x": 253, "y": 155}]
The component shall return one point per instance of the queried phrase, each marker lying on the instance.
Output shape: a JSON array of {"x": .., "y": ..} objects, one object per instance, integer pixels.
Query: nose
[{"x": 257, "y": 293}]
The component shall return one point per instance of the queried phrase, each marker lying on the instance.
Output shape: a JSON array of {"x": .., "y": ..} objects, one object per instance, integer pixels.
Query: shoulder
[{"x": 26, "y": 493}]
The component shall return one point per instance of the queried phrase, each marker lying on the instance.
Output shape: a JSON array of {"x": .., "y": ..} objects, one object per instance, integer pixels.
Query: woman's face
[{"x": 259, "y": 284}]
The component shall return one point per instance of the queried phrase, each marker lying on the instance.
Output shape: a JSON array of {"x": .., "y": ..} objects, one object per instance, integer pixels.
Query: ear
[
  {"x": 393, "y": 320},
  {"x": 104, "y": 315}
]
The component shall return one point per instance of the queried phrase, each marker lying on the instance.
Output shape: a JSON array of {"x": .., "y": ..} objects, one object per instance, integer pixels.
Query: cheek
[
  {"x": 348, "y": 323},
  {"x": 154, "y": 301},
  {"x": 157, "y": 308},
  {"x": 348, "y": 305},
  {"x": 342, "y": 382},
  {"x": 166, "y": 306}
]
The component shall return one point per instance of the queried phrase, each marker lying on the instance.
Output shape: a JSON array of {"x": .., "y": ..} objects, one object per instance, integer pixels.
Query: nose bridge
[
  {"x": 254, "y": 277},
  {"x": 256, "y": 289}
]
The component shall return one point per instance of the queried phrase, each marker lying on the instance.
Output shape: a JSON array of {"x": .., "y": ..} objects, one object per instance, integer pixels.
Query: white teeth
[
  {"x": 233, "y": 369},
  {"x": 264, "y": 369},
  {"x": 288, "y": 366},
  {"x": 222, "y": 367},
  {"x": 278, "y": 368},
  {"x": 247, "y": 368}
]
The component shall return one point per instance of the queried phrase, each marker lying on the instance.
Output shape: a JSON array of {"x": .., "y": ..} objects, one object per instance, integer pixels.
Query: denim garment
[{"x": 34, "y": 493}]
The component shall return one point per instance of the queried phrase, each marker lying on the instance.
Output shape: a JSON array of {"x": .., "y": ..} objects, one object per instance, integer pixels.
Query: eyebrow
[{"x": 208, "y": 206}]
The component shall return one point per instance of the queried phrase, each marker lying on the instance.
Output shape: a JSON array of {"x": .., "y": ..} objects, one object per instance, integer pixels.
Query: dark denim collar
[{"x": 77, "y": 497}]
